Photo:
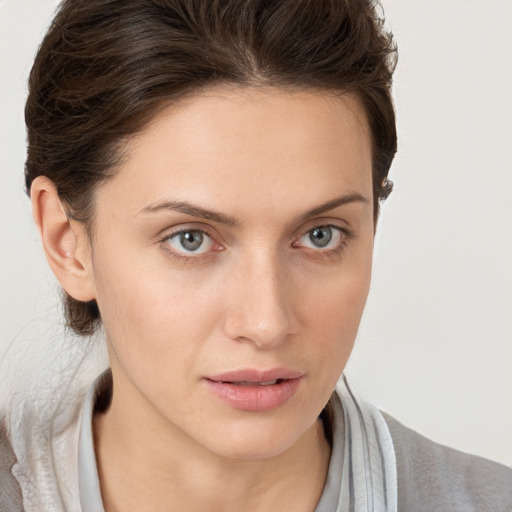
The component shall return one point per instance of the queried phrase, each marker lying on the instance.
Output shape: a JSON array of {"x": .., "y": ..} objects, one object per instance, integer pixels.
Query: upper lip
[{"x": 254, "y": 375}]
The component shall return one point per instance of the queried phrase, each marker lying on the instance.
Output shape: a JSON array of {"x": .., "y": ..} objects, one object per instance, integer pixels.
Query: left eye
[
  {"x": 191, "y": 241},
  {"x": 322, "y": 237}
]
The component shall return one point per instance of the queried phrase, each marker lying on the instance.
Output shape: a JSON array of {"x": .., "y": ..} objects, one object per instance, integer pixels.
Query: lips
[
  {"x": 252, "y": 375},
  {"x": 255, "y": 390},
  {"x": 251, "y": 383}
]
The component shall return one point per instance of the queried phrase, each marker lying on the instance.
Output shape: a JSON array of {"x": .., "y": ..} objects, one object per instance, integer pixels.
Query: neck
[{"x": 155, "y": 468}]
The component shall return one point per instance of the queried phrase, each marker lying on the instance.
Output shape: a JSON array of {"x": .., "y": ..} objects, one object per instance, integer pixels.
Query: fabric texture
[
  {"x": 432, "y": 477},
  {"x": 10, "y": 491},
  {"x": 362, "y": 470},
  {"x": 42, "y": 388}
]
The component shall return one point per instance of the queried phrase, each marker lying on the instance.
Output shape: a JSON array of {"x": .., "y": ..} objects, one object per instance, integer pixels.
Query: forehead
[{"x": 255, "y": 145}]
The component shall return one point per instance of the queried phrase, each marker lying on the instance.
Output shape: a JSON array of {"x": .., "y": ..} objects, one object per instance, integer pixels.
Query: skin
[{"x": 259, "y": 293}]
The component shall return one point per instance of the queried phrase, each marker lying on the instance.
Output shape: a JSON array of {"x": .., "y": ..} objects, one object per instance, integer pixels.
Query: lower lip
[{"x": 254, "y": 398}]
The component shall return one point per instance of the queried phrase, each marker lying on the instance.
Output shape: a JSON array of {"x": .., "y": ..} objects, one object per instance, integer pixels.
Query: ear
[{"x": 65, "y": 242}]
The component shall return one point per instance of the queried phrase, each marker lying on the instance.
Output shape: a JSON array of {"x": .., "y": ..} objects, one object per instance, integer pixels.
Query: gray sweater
[{"x": 431, "y": 477}]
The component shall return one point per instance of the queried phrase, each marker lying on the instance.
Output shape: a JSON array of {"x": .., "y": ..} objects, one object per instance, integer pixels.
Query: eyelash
[
  {"x": 345, "y": 237},
  {"x": 182, "y": 256},
  {"x": 344, "y": 233}
]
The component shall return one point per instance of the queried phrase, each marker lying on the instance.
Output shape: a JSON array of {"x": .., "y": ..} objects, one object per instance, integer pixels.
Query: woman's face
[{"x": 231, "y": 261}]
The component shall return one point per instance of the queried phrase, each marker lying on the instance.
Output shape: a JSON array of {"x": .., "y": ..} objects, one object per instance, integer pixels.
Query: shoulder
[
  {"x": 434, "y": 477},
  {"x": 10, "y": 492}
]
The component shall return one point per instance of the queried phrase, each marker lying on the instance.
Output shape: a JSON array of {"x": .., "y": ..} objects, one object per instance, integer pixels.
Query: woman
[{"x": 206, "y": 178}]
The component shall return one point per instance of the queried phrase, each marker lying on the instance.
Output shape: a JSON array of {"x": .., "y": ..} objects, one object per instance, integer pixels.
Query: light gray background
[{"x": 435, "y": 346}]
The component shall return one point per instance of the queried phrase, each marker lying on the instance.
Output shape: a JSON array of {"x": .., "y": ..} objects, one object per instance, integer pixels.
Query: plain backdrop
[{"x": 435, "y": 345}]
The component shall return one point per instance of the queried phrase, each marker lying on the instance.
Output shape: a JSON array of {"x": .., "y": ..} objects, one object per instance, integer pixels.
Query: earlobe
[{"x": 65, "y": 242}]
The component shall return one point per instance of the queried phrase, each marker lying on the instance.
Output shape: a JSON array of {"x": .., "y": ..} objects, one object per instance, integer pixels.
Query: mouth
[
  {"x": 253, "y": 383},
  {"x": 253, "y": 390},
  {"x": 252, "y": 377}
]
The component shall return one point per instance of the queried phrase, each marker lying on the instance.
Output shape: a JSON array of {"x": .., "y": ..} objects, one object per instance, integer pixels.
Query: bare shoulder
[
  {"x": 10, "y": 492},
  {"x": 434, "y": 477}
]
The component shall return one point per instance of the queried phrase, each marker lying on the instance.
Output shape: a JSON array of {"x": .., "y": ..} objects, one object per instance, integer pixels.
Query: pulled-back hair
[{"x": 106, "y": 66}]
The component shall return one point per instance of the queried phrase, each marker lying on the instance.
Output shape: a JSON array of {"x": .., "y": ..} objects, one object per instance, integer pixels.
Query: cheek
[
  {"x": 149, "y": 311},
  {"x": 337, "y": 300},
  {"x": 334, "y": 312},
  {"x": 335, "y": 320}
]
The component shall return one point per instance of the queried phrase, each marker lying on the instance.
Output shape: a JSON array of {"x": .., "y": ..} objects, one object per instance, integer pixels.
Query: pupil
[
  {"x": 191, "y": 240},
  {"x": 321, "y": 236}
]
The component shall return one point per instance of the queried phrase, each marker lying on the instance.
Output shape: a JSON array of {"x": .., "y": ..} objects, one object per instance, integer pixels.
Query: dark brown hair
[{"x": 106, "y": 66}]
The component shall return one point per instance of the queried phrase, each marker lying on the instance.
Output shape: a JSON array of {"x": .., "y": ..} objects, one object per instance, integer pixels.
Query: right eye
[{"x": 190, "y": 241}]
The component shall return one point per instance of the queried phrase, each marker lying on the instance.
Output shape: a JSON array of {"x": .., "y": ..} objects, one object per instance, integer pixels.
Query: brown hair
[{"x": 106, "y": 66}]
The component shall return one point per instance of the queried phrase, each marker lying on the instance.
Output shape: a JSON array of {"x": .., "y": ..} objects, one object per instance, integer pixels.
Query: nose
[{"x": 260, "y": 306}]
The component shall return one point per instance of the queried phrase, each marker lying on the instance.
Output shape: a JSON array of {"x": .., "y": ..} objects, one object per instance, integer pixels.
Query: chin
[
  {"x": 258, "y": 438},
  {"x": 252, "y": 450}
]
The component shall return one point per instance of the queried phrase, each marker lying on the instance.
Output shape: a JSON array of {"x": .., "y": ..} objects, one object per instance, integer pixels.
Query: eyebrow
[
  {"x": 202, "y": 213},
  {"x": 192, "y": 210},
  {"x": 332, "y": 204}
]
